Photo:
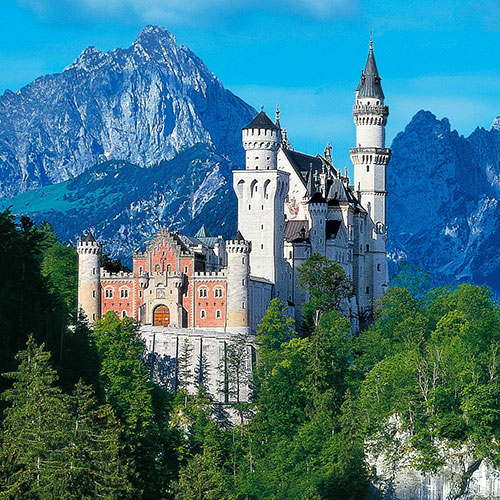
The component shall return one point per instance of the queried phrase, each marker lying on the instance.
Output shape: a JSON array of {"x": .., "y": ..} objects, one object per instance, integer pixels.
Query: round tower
[
  {"x": 89, "y": 277},
  {"x": 238, "y": 273},
  {"x": 261, "y": 139},
  {"x": 318, "y": 210},
  {"x": 370, "y": 156}
]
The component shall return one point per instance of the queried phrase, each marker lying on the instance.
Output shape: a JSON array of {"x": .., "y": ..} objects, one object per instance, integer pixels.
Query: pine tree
[
  {"x": 35, "y": 430},
  {"x": 95, "y": 462},
  {"x": 184, "y": 374}
]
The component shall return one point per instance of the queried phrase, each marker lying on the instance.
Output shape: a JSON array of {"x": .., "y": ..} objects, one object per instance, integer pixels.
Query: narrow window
[
  {"x": 185, "y": 269},
  {"x": 124, "y": 314},
  {"x": 94, "y": 294},
  {"x": 367, "y": 168},
  {"x": 218, "y": 314},
  {"x": 378, "y": 267},
  {"x": 367, "y": 289},
  {"x": 203, "y": 314},
  {"x": 94, "y": 271},
  {"x": 93, "y": 316},
  {"x": 140, "y": 269},
  {"x": 243, "y": 305},
  {"x": 367, "y": 248}
]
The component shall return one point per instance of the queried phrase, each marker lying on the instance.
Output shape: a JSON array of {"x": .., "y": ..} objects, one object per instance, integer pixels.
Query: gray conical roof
[
  {"x": 261, "y": 121},
  {"x": 202, "y": 233},
  {"x": 89, "y": 237},
  {"x": 337, "y": 191},
  {"x": 239, "y": 236},
  {"x": 369, "y": 85}
]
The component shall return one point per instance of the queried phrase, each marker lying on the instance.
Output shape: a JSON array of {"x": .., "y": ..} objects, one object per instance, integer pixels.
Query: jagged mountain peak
[
  {"x": 145, "y": 103},
  {"x": 154, "y": 34}
]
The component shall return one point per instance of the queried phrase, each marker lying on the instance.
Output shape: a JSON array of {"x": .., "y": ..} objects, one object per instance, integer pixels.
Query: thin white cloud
[{"x": 182, "y": 11}]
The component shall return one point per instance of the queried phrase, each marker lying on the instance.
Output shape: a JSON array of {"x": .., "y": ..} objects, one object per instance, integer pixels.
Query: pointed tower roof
[
  {"x": 311, "y": 186},
  {"x": 369, "y": 85},
  {"x": 239, "y": 236},
  {"x": 261, "y": 121},
  {"x": 89, "y": 237},
  {"x": 202, "y": 233}
]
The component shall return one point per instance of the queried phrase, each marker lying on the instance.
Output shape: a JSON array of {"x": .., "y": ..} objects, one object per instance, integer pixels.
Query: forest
[{"x": 82, "y": 419}]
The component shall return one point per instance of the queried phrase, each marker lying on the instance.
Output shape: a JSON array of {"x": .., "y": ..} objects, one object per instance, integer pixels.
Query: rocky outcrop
[{"x": 444, "y": 201}]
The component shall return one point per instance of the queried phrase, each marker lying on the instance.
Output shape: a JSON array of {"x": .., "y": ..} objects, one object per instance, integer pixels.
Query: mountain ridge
[{"x": 143, "y": 104}]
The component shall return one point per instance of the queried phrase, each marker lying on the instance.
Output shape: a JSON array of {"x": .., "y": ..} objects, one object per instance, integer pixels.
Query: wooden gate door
[{"x": 161, "y": 316}]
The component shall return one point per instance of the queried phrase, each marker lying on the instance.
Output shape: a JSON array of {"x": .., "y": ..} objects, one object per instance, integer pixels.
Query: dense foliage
[{"x": 82, "y": 419}]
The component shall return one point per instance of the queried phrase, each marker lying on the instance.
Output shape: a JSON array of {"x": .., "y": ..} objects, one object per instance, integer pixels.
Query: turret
[
  {"x": 238, "y": 273},
  {"x": 261, "y": 139},
  {"x": 89, "y": 277},
  {"x": 370, "y": 156},
  {"x": 318, "y": 210},
  {"x": 261, "y": 190}
]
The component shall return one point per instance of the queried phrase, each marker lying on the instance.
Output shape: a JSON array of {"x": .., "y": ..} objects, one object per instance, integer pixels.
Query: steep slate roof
[
  {"x": 369, "y": 85},
  {"x": 202, "y": 232},
  {"x": 89, "y": 237},
  {"x": 301, "y": 163},
  {"x": 261, "y": 121},
  {"x": 317, "y": 198},
  {"x": 296, "y": 230},
  {"x": 332, "y": 228},
  {"x": 239, "y": 236}
]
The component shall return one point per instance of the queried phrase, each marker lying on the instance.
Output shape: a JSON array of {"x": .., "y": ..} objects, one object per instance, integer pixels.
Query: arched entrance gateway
[{"x": 161, "y": 316}]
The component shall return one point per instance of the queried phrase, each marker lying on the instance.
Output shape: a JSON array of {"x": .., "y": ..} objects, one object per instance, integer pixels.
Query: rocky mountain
[
  {"x": 126, "y": 205},
  {"x": 144, "y": 104},
  {"x": 444, "y": 200}
]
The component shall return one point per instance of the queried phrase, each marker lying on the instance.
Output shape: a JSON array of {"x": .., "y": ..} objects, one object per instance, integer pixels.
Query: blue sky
[{"x": 306, "y": 55}]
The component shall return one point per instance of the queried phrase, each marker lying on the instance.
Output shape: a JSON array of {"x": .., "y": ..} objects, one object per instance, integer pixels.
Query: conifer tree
[
  {"x": 35, "y": 430},
  {"x": 96, "y": 466},
  {"x": 184, "y": 363}
]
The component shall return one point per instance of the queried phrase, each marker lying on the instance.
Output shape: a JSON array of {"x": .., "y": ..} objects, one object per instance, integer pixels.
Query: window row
[
  {"x": 203, "y": 314},
  {"x": 203, "y": 292},
  {"x": 109, "y": 293}
]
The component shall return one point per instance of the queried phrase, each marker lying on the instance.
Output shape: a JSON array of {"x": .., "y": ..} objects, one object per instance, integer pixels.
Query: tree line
[{"x": 81, "y": 418}]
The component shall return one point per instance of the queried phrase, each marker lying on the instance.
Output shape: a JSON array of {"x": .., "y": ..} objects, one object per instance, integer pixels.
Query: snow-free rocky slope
[
  {"x": 125, "y": 205},
  {"x": 143, "y": 104},
  {"x": 444, "y": 200}
]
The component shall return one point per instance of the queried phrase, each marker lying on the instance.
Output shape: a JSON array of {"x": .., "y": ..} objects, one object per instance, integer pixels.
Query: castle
[{"x": 203, "y": 290}]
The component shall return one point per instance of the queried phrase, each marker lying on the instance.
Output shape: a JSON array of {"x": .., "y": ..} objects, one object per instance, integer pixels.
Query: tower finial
[
  {"x": 278, "y": 115},
  {"x": 371, "y": 38},
  {"x": 262, "y": 107}
]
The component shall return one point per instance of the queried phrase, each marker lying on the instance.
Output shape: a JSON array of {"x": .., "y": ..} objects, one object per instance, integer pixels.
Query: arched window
[
  {"x": 253, "y": 188},
  {"x": 169, "y": 268},
  {"x": 203, "y": 292},
  {"x": 239, "y": 187},
  {"x": 124, "y": 314},
  {"x": 108, "y": 293},
  {"x": 266, "y": 189},
  {"x": 123, "y": 293},
  {"x": 218, "y": 314},
  {"x": 161, "y": 316},
  {"x": 218, "y": 292},
  {"x": 157, "y": 268},
  {"x": 203, "y": 314}
]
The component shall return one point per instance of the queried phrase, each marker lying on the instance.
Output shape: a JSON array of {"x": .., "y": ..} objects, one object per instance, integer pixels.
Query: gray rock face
[
  {"x": 143, "y": 104},
  {"x": 444, "y": 201}
]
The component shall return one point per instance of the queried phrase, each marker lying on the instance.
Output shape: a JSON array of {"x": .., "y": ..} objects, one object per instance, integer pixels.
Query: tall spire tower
[{"x": 370, "y": 158}]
